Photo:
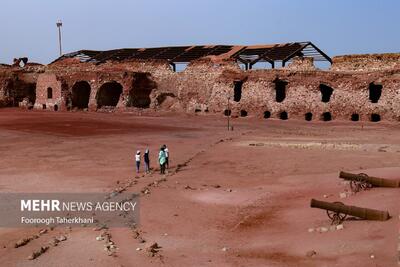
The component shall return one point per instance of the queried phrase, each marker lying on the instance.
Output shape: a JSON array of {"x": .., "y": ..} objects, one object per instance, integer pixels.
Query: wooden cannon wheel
[
  {"x": 360, "y": 183},
  {"x": 336, "y": 217}
]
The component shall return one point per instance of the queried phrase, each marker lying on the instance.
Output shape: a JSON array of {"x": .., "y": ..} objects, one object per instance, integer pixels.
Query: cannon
[
  {"x": 337, "y": 211},
  {"x": 362, "y": 181}
]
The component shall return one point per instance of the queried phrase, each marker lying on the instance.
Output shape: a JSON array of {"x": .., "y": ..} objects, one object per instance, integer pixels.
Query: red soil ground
[{"x": 230, "y": 204}]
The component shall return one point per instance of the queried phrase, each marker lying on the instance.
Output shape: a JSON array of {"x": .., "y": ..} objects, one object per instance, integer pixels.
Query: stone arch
[
  {"x": 108, "y": 94},
  {"x": 142, "y": 86},
  {"x": 80, "y": 94}
]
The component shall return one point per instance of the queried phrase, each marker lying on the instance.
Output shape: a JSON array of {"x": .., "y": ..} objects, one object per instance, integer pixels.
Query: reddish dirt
[{"x": 249, "y": 193}]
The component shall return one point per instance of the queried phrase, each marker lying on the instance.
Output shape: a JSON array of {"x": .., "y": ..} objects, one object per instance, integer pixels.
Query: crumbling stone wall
[
  {"x": 372, "y": 62},
  {"x": 208, "y": 84},
  {"x": 301, "y": 63}
]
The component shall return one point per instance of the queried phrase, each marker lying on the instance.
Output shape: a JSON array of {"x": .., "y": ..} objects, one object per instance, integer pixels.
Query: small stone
[
  {"x": 229, "y": 190},
  {"x": 342, "y": 195},
  {"x": 311, "y": 253},
  {"x": 310, "y": 230},
  {"x": 42, "y": 232},
  {"x": 339, "y": 227},
  {"x": 61, "y": 238},
  {"x": 138, "y": 249},
  {"x": 372, "y": 256},
  {"x": 99, "y": 238},
  {"x": 325, "y": 196},
  {"x": 54, "y": 242},
  {"x": 323, "y": 229},
  {"x": 332, "y": 228},
  {"x": 224, "y": 249}
]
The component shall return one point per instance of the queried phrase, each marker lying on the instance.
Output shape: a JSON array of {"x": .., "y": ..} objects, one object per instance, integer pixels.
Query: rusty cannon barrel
[
  {"x": 374, "y": 181},
  {"x": 340, "y": 208}
]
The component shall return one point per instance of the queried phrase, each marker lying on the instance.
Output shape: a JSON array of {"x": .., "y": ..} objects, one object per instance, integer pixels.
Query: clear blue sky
[{"x": 27, "y": 27}]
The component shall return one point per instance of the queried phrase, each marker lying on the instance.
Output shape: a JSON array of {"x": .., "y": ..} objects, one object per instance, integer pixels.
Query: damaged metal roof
[{"x": 248, "y": 55}]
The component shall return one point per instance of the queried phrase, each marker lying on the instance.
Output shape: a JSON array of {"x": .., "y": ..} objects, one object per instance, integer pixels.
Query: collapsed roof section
[{"x": 248, "y": 55}]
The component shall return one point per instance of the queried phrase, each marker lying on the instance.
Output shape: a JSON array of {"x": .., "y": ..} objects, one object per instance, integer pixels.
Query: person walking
[
  {"x": 162, "y": 160},
  {"x": 146, "y": 158},
  {"x": 166, "y": 151},
  {"x": 137, "y": 158}
]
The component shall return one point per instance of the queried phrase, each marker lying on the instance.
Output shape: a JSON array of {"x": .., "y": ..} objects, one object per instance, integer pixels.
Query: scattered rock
[
  {"x": 61, "y": 238},
  {"x": 145, "y": 191},
  {"x": 372, "y": 256},
  {"x": 189, "y": 187},
  {"x": 323, "y": 229},
  {"x": 310, "y": 230},
  {"x": 224, "y": 249},
  {"x": 54, "y": 242},
  {"x": 216, "y": 186},
  {"x": 138, "y": 249},
  {"x": 153, "y": 249},
  {"x": 342, "y": 195},
  {"x": 38, "y": 252},
  {"x": 42, "y": 232},
  {"x": 24, "y": 241},
  {"x": 339, "y": 227},
  {"x": 228, "y": 190},
  {"x": 311, "y": 253}
]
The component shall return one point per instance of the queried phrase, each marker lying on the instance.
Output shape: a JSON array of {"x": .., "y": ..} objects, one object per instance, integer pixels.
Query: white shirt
[
  {"x": 166, "y": 152},
  {"x": 137, "y": 157}
]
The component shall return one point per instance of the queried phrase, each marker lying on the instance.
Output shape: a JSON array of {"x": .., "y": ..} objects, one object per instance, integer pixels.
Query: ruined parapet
[
  {"x": 301, "y": 64},
  {"x": 366, "y": 62}
]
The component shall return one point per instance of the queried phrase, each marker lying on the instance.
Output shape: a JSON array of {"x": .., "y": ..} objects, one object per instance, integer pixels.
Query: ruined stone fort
[{"x": 267, "y": 81}]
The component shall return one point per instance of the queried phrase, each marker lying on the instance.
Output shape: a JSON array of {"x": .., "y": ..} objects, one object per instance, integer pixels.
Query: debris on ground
[
  {"x": 189, "y": 187},
  {"x": 311, "y": 253},
  {"x": 153, "y": 249},
  {"x": 38, "y": 252},
  {"x": 24, "y": 241}
]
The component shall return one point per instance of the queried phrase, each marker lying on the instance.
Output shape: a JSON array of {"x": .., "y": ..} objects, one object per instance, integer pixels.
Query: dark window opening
[
  {"x": 355, "y": 117},
  {"x": 197, "y": 110},
  {"x": 49, "y": 93},
  {"x": 243, "y": 113},
  {"x": 237, "y": 90},
  {"x": 267, "y": 114},
  {"x": 142, "y": 86},
  {"x": 280, "y": 88},
  {"x": 80, "y": 95},
  {"x": 283, "y": 115},
  {"x": 44, "y": 106},
  {"x": 326, "y": 92},
  {"x": 308, "y": 116},
  {"x": 326, "y": 116},
  {"x": 375, "y": 92},
  {"x": 227, "y": 112},
  {"x": 55, "y": 107},
  {"x": 108, "y": 94},
  {"x": 375, "y": 117}
]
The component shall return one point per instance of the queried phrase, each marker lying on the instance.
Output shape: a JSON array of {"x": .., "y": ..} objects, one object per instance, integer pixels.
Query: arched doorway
[
  {"x": 108, "y": 94},
  {"x": 80, "y": 95},
  {"x": 139, "y": 95}
]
